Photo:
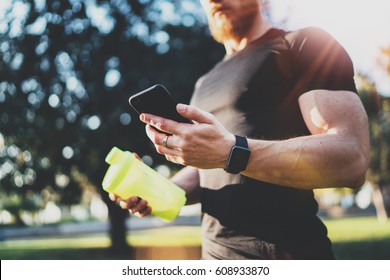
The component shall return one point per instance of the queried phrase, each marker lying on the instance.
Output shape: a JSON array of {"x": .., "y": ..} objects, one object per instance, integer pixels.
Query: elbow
[
  {"x": 357, "y": 181},
  {"x": 358, "y": 170}
]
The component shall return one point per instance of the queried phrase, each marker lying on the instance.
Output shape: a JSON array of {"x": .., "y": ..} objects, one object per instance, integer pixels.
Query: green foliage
[
  {"x": 378, "y": 111},
  {"x": 67, "y": 70}
]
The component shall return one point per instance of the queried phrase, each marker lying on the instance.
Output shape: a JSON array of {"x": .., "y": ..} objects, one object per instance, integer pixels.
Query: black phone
[{"x": 157, "y": 100}]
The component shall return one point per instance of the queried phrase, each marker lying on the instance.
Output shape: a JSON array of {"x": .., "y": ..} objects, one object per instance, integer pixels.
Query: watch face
[{"x": 238, "y": 159}]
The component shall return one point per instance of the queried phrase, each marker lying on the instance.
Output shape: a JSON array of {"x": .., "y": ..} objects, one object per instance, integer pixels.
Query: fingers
[
  {"x": 181, "y": 145},
  {"x": 137, "y": 156},
  {"x": 166, "y": 125},
  {"x": 140, "y": 208},
  {"x": 156, "y": 137},
  {"x": 135, "y": 205},
  {"x": 195, "y": 114},
  {"x": 113, "y": 197},
  {"x": 171, "y": 147}
]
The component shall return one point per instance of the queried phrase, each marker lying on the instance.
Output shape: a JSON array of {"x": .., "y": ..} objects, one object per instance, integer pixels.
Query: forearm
[
  {"x": 336, "y": 154},
  {"x": 188, "y": 179},
  {"x": 316, "y": 161}
]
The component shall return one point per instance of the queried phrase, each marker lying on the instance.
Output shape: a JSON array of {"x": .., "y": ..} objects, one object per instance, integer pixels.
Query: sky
[{"x": 361, "y": 26}]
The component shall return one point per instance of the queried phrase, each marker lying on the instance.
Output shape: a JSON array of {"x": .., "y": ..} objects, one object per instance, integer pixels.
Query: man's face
[{"x": 230, "y": 19}]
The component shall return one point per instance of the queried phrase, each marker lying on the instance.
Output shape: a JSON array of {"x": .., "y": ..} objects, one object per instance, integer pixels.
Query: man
[{"x": 276, "y": 118}]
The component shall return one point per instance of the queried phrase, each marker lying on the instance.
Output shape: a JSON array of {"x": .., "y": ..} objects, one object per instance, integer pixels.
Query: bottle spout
[{"x": 114, "y": 156}]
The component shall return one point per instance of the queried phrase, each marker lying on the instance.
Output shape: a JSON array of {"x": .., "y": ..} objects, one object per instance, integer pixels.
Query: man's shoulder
[
  {"x": 311, "y": 32},
  {"x": 313, "y": 38},
  {"x": 294, "y": 39}
]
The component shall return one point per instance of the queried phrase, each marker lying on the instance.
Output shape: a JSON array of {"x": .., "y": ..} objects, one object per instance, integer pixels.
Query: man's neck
[{"x": 259, "y": 28}]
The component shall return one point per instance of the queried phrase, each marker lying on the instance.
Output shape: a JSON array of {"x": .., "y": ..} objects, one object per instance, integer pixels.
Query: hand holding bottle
[
  {"x": 130, "y": 179},
  {"x": 135, "y": 205}
]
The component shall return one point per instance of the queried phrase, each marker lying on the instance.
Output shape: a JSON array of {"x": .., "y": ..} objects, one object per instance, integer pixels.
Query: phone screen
[{"x": 158, "y": 101}]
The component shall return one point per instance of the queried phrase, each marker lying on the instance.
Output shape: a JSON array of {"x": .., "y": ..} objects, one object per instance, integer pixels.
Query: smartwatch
[{"x": 238, "y": 157}]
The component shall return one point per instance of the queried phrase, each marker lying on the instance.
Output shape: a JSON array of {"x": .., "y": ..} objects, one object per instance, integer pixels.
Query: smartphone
[{"x": 157, "y": 100}]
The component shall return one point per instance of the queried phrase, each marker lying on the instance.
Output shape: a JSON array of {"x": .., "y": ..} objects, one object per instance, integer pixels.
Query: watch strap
[{"x": 241, "y": 141}]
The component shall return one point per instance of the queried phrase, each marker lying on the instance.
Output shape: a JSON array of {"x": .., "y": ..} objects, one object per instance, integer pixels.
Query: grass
[
  {"x": 360, "y": 238},
  {"x": 353, "y": 238},
  {"x": 357, "y": 229},
  {"x": 169, "y": 236},
  {"x": 97, "y": 246}
]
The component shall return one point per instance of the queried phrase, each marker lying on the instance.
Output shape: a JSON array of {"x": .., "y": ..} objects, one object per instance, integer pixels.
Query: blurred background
[{"x": 67, "y": 69}]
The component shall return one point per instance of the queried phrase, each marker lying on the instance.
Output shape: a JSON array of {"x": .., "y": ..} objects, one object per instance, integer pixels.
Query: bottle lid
[
  {"x": 114, "y": 156},
  {"x": 120, "y": 163}
]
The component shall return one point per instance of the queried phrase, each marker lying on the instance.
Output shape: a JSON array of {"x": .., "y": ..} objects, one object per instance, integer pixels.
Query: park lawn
[
  {"x": 359, "y": 238},
  {"x": 97, "y": 246},
  {"x": 167, "y": 236},
  {"x": 353, "y": 238},
  {"x": 357, "y": 229}
]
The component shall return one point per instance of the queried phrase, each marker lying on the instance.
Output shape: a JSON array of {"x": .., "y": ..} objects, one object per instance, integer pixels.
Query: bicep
[{"x": 334, "y": 112}]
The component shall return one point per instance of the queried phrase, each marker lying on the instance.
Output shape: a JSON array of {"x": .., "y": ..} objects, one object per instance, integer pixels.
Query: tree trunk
[
  {"x": 379, "y": 204},
  {"x": 117, "y": 218},
  {"x": 118, "y": 229}
]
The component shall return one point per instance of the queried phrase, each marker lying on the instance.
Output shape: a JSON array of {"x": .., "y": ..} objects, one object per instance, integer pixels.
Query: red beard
[{"x": 236, "y": 25}]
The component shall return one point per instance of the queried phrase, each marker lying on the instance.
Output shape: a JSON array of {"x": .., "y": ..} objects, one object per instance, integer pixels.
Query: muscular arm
[{"x": 335, "y": 155}]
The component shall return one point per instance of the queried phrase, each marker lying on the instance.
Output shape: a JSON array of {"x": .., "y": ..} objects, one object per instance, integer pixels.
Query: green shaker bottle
[{"x": 127, "y": 176}]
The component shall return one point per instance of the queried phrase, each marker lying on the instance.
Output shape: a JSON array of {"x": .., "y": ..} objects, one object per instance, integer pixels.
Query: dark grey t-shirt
[{"x": 254, "y": 93}]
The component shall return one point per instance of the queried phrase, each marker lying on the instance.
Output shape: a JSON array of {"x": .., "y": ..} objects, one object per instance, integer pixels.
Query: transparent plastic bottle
[{"x": 128, "y": 176}]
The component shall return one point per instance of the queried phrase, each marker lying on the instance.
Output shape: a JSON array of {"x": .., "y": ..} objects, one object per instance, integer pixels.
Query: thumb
[
  {"x": 137, "y": 156},
  {"x": 195, "y": 114}
]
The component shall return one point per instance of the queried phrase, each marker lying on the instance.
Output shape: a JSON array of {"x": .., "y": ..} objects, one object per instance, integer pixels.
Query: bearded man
[{"x": 277, "y": 117}]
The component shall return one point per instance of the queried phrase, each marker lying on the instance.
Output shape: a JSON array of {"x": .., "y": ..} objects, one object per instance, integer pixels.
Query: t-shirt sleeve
[{"x": 320, "y": 62}]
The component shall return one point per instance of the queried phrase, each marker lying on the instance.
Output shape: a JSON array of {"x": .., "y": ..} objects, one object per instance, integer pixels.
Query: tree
[
  {"x": 378, "y": 111},
  {"x": 67, "y": 69}
]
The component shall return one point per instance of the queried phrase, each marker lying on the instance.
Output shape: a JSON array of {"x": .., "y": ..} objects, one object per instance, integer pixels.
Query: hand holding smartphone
[{"x": 156, "y": 100}]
